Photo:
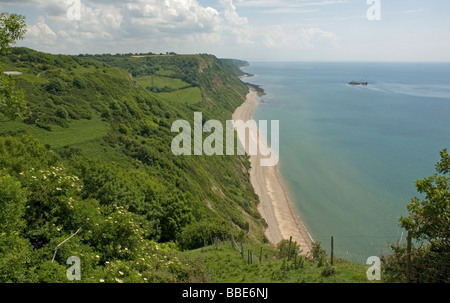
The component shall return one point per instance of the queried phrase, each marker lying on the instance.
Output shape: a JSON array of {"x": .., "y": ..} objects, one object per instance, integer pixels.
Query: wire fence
[{"x": 405, "y": 261}]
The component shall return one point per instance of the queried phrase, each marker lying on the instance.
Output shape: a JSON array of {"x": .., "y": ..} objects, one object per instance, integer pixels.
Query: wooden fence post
[
  {"x": 408, "y": 258},
  {"x": 289, "y": 253},
  {"x": 332, "y": 250}
]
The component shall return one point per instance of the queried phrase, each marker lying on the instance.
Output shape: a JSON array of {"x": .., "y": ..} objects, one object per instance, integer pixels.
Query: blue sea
[{"x": 350, "y": 155}]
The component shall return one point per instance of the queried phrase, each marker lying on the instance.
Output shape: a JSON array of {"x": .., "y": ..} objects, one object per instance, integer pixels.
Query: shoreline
[{"x": 276, "y": 205}]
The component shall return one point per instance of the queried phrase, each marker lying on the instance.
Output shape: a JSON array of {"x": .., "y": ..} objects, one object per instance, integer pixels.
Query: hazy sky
[{"x": 294, "y": 30}]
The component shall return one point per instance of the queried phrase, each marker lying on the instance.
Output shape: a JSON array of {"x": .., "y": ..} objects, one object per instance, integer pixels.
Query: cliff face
[{"x": 108, "y": 120}]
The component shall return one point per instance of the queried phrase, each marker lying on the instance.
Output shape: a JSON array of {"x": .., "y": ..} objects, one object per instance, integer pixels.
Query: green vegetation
[
  {"x": 12, "y": 100},
  {"x": 190, "y": 95},
  {"x": 272, "y": 267},
  {"x": 12, "y": 28},
  {"x": 234, "y": 66},
  {"x": 429, "y": 223},
  {"x": 161, "y": 84},
  {"x": 94, "y": 153},
  {"x": 79, "y": 131},
  {"x": 430, "y": 219}
]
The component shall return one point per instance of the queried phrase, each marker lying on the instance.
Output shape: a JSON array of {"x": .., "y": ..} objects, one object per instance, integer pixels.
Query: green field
[
  {"x": 172, "y": 89},
  {"x": 165, "y": 72},
  {"x": 160, "y": 82},
  {"x": 189, "y": 95},
  {"x": 79, "y": 131}
]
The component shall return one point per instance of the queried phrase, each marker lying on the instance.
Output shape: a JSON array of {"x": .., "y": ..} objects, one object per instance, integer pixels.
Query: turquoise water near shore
[{"x": 350, "y": 155}]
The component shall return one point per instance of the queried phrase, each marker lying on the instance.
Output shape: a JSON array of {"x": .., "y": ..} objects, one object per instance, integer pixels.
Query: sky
[{"x": 254, "y": 30}]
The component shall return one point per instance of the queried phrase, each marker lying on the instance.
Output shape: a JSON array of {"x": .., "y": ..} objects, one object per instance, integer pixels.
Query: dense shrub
[
  {"x": 284, "y": 247},
  {"x": 429, "y": 264},
  {"x": 55, "y": 86},
  {"x": 318, "y": 254},
  {"x": 203, "y": 233}
]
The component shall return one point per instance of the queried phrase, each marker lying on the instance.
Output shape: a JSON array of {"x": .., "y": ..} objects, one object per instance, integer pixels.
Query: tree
[
  {"x": 12, "y": 28},
  {"x": 318, "y": 254},
  {"x": 430, "y": 219},
  {"x": 12, "y": 204},
  {"x": 12, "y": 99},
  {"x": 15, "y": 251},
  {"x": 429, "y": 223}
]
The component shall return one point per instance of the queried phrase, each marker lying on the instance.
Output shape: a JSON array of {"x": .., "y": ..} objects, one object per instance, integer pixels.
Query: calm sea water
[{"x": 350, "y": 155}]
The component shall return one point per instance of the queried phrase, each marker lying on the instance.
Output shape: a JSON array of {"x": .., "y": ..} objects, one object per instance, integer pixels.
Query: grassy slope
[
  {"x": 78, "y": 133},
  {"x": 134, "y": 128},
  {"x": 160, "y": 82},
  {"x": 271, "y": 269},
  {"x": 191, "y": 95}
]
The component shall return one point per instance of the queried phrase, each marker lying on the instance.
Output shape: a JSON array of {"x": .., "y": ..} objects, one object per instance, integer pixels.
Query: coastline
[{"x": 275, "y": 206}]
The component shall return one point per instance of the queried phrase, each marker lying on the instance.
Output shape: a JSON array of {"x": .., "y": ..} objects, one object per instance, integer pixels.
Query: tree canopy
[
  {"x": 12, "y": 29},
  {"x": 429, "y": 219},
  {"x": 12, "y": 99},
  {"x": 429, "y": 224}
]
